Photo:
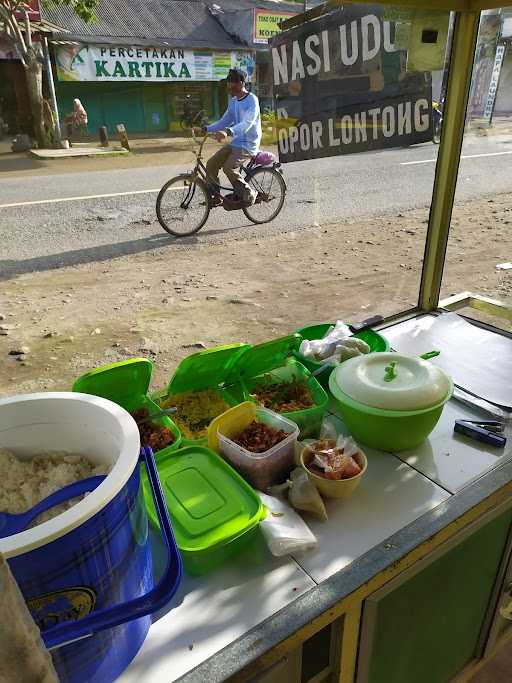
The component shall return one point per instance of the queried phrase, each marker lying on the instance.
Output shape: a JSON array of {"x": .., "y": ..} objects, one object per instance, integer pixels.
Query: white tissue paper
[{"x": 284, "y": 530}]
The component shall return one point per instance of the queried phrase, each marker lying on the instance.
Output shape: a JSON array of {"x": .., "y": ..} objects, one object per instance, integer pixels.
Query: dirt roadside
[{"x": 169, "y": 303}]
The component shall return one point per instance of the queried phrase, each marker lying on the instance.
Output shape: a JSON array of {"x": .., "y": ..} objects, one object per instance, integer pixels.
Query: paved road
[{"x": 39, "y": 231}]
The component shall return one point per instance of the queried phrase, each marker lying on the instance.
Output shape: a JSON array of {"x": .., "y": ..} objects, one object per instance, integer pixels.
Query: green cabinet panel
[{"x": 426, "y": 630}]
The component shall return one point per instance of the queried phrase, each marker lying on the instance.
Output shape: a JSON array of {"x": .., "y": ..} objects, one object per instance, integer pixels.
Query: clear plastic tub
[
  {"x": 261, "y": 469},
  {"x": 309, "y": 420}
]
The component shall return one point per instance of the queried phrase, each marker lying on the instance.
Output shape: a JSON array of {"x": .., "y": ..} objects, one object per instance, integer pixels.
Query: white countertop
[
  {"x": 453, "y": 460},
  {"x": 211, "y": 611},
  {"x": 390, "y": 496}
]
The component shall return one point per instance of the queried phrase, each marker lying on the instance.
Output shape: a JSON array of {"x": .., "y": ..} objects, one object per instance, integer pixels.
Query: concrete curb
[{"x": 61, "y": 154}]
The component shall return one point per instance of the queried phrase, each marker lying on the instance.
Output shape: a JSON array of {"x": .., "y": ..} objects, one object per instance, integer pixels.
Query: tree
[{"x": 16, "y": 27}]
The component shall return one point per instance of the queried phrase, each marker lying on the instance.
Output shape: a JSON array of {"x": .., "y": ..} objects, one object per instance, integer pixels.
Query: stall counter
[{"x": 241, "y": 618}]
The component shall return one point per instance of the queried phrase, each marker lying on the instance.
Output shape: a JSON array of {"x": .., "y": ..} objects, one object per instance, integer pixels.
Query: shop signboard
[
  {"x": 342, "y": 87},
  {"x": 266, "y": 24},
  {"x": 495, "y": 79},
  {"x": 89, "y": 62}
]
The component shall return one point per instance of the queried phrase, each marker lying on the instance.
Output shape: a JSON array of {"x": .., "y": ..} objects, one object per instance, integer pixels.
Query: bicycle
[{"x": 185, "y": 201}]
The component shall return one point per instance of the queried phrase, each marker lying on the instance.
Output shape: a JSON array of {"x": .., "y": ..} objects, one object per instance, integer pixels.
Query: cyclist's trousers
[{"x": 230, "y": 159}]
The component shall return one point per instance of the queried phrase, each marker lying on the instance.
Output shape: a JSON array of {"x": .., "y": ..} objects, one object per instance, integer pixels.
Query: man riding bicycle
[{"x": 241, "y": 122}]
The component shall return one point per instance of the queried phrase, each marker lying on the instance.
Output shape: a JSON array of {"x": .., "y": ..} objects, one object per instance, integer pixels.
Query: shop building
[{"x": 136, "y": 64}]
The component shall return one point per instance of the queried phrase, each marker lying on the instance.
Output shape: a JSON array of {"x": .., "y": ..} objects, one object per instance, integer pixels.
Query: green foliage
[
  {"x": 268, "y": 116},
  {"x": 82, "y": 8}
]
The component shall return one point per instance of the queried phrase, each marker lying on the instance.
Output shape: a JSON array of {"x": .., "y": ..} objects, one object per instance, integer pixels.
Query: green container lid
[
  {"x": 206, "y": 369},
  {"x": 265, "y": 357},
  {"x": 209, "y": 503},
  {"x": 126, "y": 383},
  {"x": 121, "y": 382}
]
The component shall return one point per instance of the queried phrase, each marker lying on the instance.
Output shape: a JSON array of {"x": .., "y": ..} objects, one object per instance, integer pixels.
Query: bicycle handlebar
[{"x": 199, "y": 139}]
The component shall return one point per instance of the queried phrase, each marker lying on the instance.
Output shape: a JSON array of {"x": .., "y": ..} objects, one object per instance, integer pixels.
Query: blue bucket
[{"x": 87, "y": 574}]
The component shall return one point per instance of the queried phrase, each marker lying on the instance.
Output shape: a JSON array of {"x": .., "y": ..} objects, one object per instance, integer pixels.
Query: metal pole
[
  {"x": 454, "y": 116},
  {"x": 51, "y": 85}
]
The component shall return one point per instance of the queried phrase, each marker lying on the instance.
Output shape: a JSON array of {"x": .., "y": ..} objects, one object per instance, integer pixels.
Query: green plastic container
[
  {"x": 375, "y": 341},
  {"x": 386, "y": 430},
  {"x": 272, "y": 362},
  {"x": 126, "y": 383},
  {"x": 202, "y": 371},
  {"x": 214, "y": 512}
]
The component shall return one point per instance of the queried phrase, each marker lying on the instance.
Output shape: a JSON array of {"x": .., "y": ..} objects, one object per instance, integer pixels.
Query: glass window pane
[
  {"x": 350, "y": 102},
  {"x": 479, "y": 255},
  {"x": 349, "y": 93}
]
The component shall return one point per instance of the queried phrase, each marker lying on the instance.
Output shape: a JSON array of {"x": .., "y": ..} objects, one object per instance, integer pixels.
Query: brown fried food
[
  {"x": 152, "y": 434},
  {"x": 259, "y": 437},
  {"x": 284, "y": 397}
]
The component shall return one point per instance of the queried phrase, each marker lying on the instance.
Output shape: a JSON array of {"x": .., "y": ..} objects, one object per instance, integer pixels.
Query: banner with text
[
  {"x": 341, "y": 86},
  {"x": 266, "y": 24},
  {"x": 131, "y": 63}
]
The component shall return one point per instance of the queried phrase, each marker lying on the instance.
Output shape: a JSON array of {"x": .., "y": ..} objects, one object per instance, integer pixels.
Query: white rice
[{"x": 23, "y": 483}]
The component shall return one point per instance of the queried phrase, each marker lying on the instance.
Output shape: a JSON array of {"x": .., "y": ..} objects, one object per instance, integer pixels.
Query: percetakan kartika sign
[{"x": 132, "y": 63}]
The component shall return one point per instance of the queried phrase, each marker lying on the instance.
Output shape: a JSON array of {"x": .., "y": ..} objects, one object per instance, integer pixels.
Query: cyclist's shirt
[{"x": 243, "y": 118}]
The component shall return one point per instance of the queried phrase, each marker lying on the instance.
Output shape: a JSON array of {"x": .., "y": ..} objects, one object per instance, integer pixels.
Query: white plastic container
[{"x": 271, "y": 467}]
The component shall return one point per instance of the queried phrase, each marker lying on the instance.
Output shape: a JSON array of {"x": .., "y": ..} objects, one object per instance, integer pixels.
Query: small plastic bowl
[{"x": 334, "y": 488}]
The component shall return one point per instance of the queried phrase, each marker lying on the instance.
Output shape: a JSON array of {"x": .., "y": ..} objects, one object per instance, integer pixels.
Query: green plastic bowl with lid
[
  {"x": 375, "y": 341},
  {"x": 417, "y": 382}
]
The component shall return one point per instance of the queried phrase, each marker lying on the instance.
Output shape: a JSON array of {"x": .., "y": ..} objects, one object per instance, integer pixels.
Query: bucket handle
[{"x": 157, "y": 597}]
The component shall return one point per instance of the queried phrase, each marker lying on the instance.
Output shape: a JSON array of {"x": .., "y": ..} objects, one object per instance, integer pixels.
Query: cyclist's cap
[{"x": 236, "y": 75}]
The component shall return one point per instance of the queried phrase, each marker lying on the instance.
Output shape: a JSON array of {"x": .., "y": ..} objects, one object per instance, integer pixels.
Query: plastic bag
[
  {"x": 302, "y": 494},
  {"x": 321, "y": 349},
  {"x": 284, "y": 530},
  {"x": 328, "y": 430},
  {"x": 318, "y": 349},
  {"x": 333, "y": 460},
  {"x": 355, "y": 343},
  {"x": 347, "y": 448},
  {"x": 336, "y": 345}
]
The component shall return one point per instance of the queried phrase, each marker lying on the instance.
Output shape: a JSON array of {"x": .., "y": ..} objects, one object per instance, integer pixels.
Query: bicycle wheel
[
  {"x": 183, "y": 206},
  {"x": 271, "y": 189}
]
